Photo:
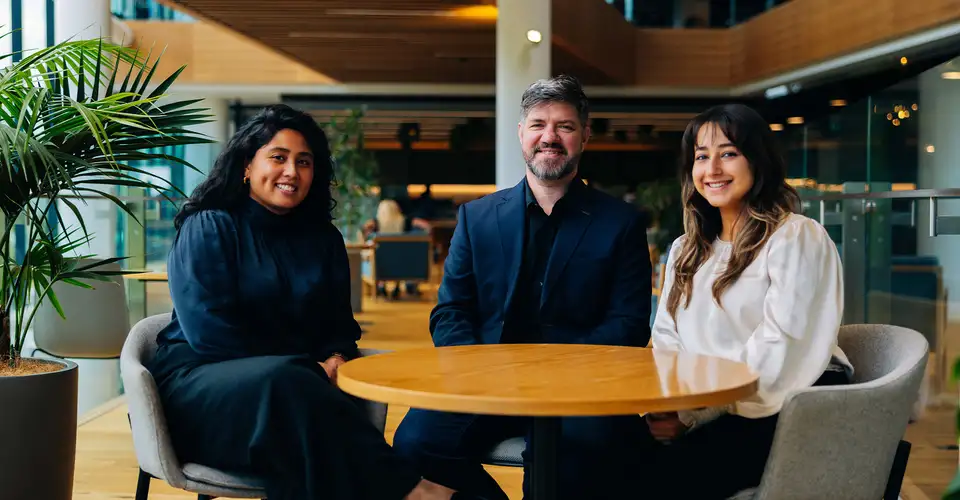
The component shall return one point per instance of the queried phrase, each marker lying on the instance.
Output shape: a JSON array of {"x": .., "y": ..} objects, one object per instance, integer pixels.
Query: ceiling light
[
  {"x": 478, "y": 12},
  {"x": 775, "y": 92},
  {"x": 951, "y": 75},
  {"x": 776, "y": 127},
  {"x": 534, "y": 36},
  {"x": 930, "y": 148},
  {"x": 795, "y": 120},
  {"x": 837, "y": 103},
  {"x": 904, "y": 61}
]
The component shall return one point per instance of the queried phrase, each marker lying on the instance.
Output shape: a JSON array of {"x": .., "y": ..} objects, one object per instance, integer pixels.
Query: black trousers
[
  {"x": 598, "y": 456},
  {"x": 281, "y": 418},
  {"x": 715, "y": 461}
]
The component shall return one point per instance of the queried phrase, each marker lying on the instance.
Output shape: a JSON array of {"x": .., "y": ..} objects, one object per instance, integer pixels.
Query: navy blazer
[{"x": 597, "y": 284}]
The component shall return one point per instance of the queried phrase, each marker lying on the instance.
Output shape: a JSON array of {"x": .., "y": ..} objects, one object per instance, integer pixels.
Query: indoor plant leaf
[{"x": 67, "y": 131}]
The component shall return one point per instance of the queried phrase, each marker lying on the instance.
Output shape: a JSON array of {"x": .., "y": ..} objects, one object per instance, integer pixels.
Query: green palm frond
[{"x": 67, "y": 129}]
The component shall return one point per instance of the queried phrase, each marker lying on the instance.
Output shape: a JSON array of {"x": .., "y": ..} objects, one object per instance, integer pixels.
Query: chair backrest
[
  {"x": 840, "y": 441},
  {"x": 96, "y": 323},
  {"x": 151, "y": 438},
  {"x": 402, "y": 257}
]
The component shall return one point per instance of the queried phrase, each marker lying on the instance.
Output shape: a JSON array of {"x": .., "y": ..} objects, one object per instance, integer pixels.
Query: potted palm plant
[{"x": 75, "y": 119}]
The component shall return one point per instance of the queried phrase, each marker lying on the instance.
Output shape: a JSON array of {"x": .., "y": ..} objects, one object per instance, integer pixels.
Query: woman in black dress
[{"x": 247, "y": 368}]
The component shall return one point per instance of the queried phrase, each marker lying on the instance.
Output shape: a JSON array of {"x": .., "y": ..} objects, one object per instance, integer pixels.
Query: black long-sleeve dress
[{"x": 259, "y": 299}]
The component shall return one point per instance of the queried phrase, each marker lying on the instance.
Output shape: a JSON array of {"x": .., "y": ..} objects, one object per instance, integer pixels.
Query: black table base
[{"x": 545, "y": 442}]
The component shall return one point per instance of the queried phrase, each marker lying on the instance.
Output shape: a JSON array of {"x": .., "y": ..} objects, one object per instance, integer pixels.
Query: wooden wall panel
[
  {"x": 221, "y": 55},
  {"x": 216, "y": 55},
  {"x": 175, "y": 40},
  {"x": 595, "y": 34},
  {"x": 792, "y": 36},
  {"x": 682, "y": 58},
  {"x": 805, "y": 32}
]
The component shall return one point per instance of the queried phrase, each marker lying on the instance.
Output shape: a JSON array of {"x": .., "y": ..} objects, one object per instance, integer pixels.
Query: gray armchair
[
  {"x": 151, "y": 440},
  {"x": 846, "y": 441}
]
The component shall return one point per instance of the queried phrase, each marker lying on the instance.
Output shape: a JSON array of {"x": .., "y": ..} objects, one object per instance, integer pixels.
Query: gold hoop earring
[{"x": 246, "y": 180}]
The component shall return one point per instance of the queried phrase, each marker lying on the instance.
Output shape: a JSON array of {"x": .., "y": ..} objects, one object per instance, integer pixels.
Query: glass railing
[
  {"x": 692, "y": 13},
  {"x": 146, "y": 10},
  {"x": 901, "y": 256}
]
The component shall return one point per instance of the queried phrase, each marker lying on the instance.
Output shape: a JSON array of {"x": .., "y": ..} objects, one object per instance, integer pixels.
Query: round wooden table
[{"x": 547, "y": 382}]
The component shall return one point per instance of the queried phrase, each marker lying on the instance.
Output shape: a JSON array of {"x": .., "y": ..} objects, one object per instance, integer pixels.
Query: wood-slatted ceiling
[{"x": 437, "y": 41}]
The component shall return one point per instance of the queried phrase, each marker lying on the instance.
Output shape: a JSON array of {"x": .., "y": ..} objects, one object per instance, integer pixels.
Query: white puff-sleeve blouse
[{"x": 780, "y": 317}]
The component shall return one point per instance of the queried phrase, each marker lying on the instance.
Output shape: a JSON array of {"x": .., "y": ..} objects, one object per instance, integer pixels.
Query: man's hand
[
  {"x": 331, "y": 365},
  {"x": 665, "y": 426}
]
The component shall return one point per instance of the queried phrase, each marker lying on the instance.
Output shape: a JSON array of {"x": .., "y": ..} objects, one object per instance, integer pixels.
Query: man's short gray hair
[{"x": 563, "y": 88}]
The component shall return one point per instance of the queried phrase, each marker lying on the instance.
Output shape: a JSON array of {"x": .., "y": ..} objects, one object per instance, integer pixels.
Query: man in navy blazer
[{"x": 549, "y": 260}]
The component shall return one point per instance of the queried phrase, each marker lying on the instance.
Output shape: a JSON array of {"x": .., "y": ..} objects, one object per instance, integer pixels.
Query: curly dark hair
[{"x": 224, "y": 187}]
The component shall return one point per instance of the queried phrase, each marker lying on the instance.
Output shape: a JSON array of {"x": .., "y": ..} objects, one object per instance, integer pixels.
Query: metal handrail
[
  {"x": 888, "y": 195},
  {"x": 939, "y": 224}
]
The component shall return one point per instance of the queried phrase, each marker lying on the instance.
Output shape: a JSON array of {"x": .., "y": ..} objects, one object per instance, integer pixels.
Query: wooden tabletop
[
  {"x": 147, "y": 276},
  {"x": 547, "y": 379}
]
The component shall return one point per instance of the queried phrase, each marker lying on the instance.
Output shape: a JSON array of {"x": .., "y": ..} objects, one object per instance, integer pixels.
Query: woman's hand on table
[
  {"x": 331, "y": 365},
  {"x": 665, "y": 426}
]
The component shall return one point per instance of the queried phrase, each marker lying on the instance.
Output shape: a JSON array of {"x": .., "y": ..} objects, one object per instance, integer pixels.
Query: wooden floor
[{"x": 107, "y": 468}]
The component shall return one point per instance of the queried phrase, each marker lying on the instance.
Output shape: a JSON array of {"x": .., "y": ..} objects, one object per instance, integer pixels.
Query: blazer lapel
[
  {"x": 568, "y": 238},
  {"x": 510, "y": 220}
]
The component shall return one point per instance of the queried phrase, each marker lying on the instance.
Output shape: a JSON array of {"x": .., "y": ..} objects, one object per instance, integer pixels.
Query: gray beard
[{"x": 569, "y": 165}]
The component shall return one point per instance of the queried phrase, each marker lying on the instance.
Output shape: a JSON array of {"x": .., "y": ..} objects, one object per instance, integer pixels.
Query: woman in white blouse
[{"x": 752, "y": 281}]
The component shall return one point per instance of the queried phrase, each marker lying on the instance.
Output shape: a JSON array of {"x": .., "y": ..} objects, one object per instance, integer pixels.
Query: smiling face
[
  {"x": 281, "y": 172},
  {"x": 721, "y": 174},
  {"x": 552, "y": 139}
]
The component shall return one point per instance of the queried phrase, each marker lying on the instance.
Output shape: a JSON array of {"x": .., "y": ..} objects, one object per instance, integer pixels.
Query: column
[
  {"x": 6, "y": 40},
  {"x": 520, "y": 62},
  {"x": 99, "y": 380},
  {"x": 85, "y": 20},
  {"x": 82, "y": 19},
  {"x": 939, "y": 167},
  {"x": 34, "y": 17}
]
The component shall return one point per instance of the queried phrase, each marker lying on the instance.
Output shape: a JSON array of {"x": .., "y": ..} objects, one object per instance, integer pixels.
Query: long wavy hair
[
  {"x": 224, "y": 187},
  {"x": 765, "y": 206}
]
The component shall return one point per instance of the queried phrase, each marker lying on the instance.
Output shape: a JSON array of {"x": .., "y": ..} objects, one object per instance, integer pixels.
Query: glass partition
[
  {"x": 691, "y": 13},
  {"x": 885, "y": 284},
  {"x": 143, "y": 10},
  {"x": 881, "y": 173}
]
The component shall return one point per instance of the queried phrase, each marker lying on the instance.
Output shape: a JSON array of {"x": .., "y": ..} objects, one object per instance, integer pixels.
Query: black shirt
[{"x": 540, "y": 233}]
